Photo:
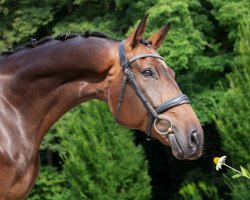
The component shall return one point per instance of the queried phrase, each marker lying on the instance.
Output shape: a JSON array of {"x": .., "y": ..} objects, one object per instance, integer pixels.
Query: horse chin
[
  {"x": 181, "y": 152},
  {"x": 176, "y": 150}
]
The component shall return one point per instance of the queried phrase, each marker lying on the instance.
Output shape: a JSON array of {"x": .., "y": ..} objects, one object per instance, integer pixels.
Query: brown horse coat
[{"x": 38, "y": 85}]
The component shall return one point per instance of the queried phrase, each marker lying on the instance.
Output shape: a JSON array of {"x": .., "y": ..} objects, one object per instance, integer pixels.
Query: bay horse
[{"x": 44, "y": 80}]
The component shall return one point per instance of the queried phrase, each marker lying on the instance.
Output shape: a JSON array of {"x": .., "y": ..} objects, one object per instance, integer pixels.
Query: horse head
[{"x": 145, "y": 96}]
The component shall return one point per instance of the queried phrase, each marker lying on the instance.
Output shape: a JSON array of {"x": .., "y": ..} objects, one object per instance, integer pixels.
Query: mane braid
[
  {"x": 87, "y": 34},
  {"x": 61, "y": 37},
  {"x": 99, "y": 34},
  {"x": 44, "y": 40}
]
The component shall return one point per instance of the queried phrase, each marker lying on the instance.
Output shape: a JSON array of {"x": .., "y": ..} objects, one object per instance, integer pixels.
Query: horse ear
[
  {"x": 137, "y": 34},
  {"x": 158, "y": 37}
]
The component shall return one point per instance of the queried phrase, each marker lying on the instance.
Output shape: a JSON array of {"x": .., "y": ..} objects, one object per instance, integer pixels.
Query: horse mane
[{"x": 61, "y": 37}]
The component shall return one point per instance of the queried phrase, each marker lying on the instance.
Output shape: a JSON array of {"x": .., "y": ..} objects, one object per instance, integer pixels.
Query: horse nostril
[{"x": 193, "y": 139}]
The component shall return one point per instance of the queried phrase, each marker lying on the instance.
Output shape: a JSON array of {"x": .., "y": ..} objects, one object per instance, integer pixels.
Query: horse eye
[{"x": 147, "y": 73}]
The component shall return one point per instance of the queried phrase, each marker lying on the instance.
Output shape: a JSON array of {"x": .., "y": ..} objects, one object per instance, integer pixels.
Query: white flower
[{"x": 219, "y": 162}]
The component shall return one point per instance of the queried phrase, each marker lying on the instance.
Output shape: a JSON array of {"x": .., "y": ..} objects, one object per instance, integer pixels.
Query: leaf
[
  {"x": 236, "y": 176},
  {"x": 244, "y": 171}
]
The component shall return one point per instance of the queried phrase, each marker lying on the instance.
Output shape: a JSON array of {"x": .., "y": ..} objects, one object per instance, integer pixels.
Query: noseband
[{"x": 153, "y": 112}]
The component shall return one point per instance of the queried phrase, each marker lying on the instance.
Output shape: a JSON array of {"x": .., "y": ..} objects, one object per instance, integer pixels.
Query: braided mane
[{"x": 61, "y": 37}]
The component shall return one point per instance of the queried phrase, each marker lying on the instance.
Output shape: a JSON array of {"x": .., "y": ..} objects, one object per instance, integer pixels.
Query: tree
[
  {"x": 102, "y": 161},
  {"x": 233, "y": 122}
]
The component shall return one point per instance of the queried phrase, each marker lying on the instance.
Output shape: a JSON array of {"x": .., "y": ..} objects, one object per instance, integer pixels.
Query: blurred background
[{"x": 87, "y": 156}]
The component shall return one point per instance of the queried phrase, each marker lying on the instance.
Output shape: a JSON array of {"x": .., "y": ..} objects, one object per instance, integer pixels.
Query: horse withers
[{"x": 45, "y": 79}]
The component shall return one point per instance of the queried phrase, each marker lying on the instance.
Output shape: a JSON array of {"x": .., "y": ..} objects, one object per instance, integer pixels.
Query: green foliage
[
  {"x": 23, "y": 19},
  {"x": 233, "y": 114},
  {"x": 199, "y": 191},
  {"x": 199, "y": 185},
  {"x": 190, "y": 191},
  {"x": 239, "y": 187},
  {"x": 100, "y": 158},
  {"x": 233, "y": 122},
  {"x": 181, "y": 44},
  {"x": 240, "y": 190},
  {"x": 230, "y": 15},
  {"x": 49, "y": 185}
]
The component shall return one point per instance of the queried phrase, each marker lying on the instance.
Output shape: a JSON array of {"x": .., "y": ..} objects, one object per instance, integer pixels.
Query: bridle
[{"x": 153, "y": 112}]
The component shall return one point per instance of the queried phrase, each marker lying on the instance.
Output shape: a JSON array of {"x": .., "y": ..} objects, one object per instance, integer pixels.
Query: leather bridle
[{"x": 153, "y": 112}]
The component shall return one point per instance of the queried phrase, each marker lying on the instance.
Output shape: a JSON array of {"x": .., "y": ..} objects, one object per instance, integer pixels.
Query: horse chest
[{"x": 18, "y": 165}]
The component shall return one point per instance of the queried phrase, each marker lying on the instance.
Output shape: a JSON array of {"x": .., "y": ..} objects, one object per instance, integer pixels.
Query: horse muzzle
[{"x": 184, "y": 146}]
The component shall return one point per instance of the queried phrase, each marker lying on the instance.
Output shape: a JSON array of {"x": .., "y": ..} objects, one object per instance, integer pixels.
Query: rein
[{"x": 153, "y": 112}]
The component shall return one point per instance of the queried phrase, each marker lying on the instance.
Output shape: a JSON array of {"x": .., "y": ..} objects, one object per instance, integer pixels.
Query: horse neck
[{"x": 52, "y": 78}]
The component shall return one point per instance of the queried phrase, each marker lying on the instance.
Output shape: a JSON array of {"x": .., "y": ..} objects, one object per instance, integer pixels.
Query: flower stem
[{"x": 233, "y": 169}]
